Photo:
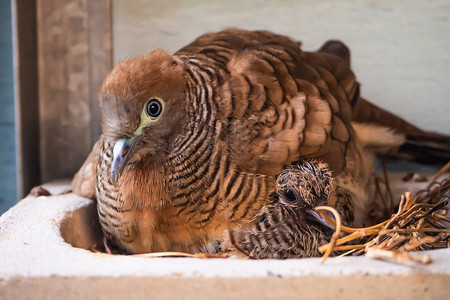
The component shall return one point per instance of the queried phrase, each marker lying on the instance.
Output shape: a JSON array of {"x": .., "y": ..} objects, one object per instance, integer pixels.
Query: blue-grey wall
[{"x": 8, "y": 186}]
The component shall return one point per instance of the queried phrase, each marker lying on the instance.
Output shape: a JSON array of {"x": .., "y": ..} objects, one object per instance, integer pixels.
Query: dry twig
[
  {"x": 417, "y": 225},
  {"x": 336, "y": 234}
]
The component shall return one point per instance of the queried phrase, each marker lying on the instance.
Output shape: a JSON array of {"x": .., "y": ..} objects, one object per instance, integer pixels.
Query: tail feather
[
  {"x": 387, "y": 133},
  {"x": 428, "y": 148},
  {"x": 418, "y": 145}
]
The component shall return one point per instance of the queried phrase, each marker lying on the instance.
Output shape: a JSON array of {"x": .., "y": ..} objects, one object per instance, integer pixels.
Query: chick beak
[
  {"x": 121, "y": 155},
  {"x": 315, "y": 216}
]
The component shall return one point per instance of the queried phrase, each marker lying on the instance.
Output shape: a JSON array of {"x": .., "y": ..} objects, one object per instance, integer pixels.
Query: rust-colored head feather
[{"x": 131, "y": 84}]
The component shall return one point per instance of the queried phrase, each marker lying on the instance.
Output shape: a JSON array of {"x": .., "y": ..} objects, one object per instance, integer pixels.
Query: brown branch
[{"x": 336, "y": 234}]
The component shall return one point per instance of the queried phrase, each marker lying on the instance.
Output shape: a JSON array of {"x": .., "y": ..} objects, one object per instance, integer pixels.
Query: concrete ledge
[{"x": 37, "y": 260}]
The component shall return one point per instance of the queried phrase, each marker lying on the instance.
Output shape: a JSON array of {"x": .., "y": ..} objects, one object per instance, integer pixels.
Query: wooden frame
[
  {"x": 26, "y": 95},
  {"x": 63, "y": 53}
]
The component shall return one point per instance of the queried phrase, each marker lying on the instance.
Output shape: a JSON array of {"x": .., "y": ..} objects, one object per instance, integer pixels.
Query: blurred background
[{"x": 56, "y": 53}]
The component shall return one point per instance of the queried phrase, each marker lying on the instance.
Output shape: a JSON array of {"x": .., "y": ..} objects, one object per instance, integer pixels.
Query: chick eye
[
  {"x": 154, "y": 108},
  {"x": 290, "y": 195}
]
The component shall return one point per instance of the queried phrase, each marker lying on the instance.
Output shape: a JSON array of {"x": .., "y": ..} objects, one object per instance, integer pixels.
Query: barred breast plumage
[{"x": 197, "y": 137}]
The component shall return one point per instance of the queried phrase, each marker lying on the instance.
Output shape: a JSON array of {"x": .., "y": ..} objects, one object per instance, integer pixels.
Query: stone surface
[{"x": 38, "y": 261}]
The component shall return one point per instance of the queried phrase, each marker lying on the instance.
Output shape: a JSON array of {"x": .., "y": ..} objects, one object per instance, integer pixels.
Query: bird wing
[
  {"x": 281, "y": 103},
  {"x": 272, "y": 123},
  {"x": 83, "y": 183}
]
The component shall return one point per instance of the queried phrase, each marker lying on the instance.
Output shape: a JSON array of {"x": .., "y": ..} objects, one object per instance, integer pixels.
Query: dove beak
[
  {"x": 123, "y": 150},
  {"x": 121, "y": 156}
]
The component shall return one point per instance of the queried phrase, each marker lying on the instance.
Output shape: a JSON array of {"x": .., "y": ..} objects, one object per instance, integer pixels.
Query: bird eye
[
  {"x": 290, "y": 195},
  {"x": 154, "y": 108}
]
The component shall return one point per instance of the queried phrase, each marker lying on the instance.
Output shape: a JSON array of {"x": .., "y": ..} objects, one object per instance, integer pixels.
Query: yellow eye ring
[{"x": 150, "y": 113}]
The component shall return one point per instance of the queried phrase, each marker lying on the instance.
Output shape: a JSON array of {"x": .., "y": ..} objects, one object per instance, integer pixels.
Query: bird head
[
  {"x": 305, "y": 185},
  {"x": 142, "y": 101}
]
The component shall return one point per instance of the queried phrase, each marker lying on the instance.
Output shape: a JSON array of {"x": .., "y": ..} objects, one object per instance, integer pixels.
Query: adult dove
[{"x": 196, "y": 138}]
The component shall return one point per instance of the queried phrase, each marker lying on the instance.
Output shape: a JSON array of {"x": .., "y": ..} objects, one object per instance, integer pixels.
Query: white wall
[{"x": 400, "y": 49}]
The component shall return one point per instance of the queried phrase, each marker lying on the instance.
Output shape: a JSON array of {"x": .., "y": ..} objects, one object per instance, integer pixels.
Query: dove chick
[{"x": 290, "y": 227}]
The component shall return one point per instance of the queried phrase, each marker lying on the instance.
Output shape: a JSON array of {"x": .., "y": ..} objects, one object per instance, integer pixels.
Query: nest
[{"x": 418, "y": 224}]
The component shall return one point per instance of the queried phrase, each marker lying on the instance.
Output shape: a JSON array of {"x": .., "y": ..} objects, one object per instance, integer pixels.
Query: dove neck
[
  {"x": 144, "y": 185},
  {"x": 141, "y": 185}
]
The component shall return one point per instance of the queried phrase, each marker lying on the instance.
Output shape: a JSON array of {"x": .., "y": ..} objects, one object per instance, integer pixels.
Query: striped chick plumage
[{"x": 289, "y": 227}]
